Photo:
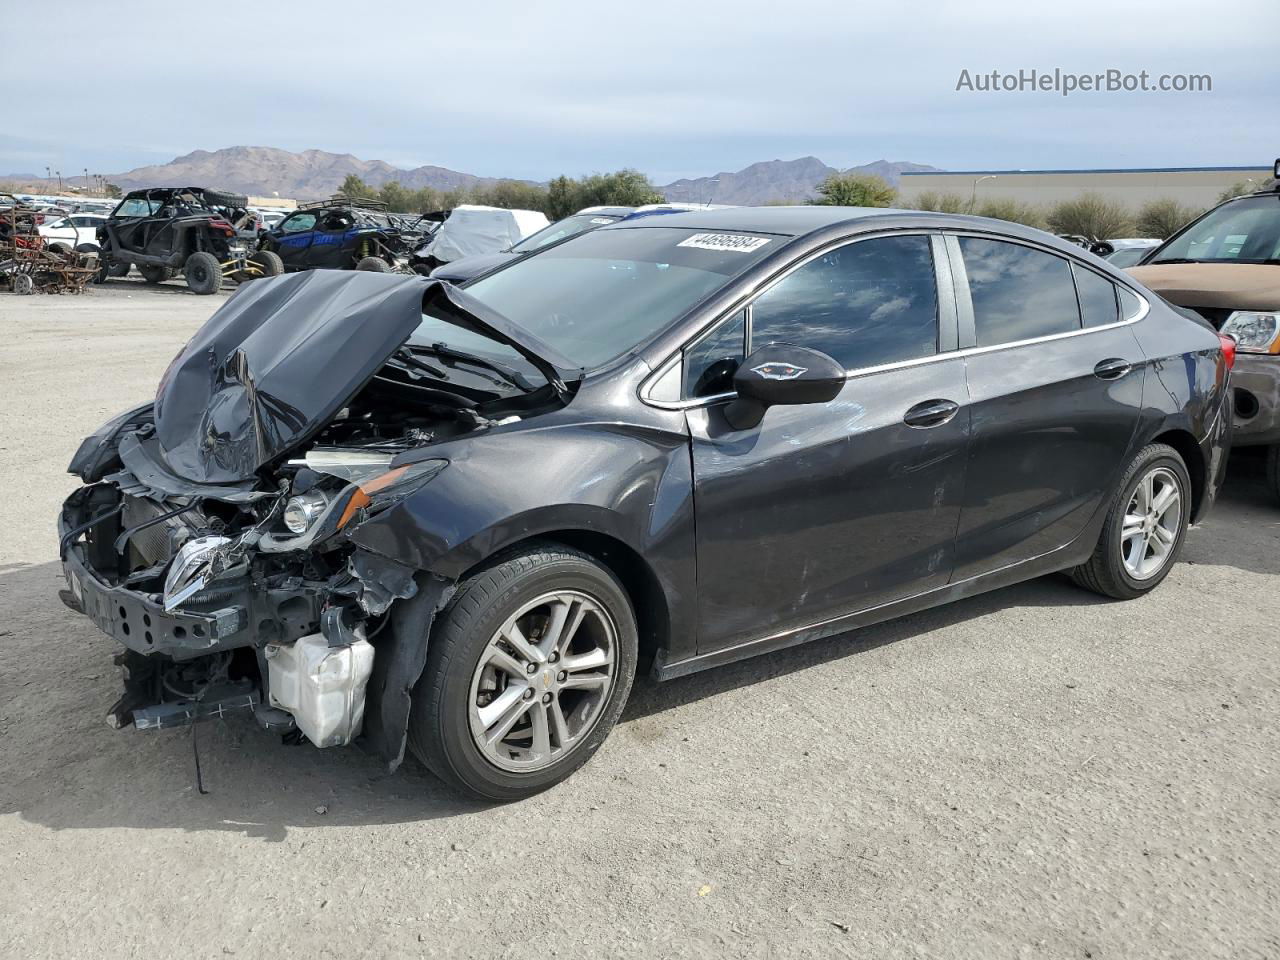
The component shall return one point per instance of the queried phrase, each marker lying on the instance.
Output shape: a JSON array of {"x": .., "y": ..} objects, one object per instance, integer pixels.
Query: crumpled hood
[
  {"x": 280, "y": 358},
  {"x": 1224, "y": 286}
]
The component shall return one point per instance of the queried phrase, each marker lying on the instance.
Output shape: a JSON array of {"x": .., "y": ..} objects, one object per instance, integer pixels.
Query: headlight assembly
[
  {"x": 304, "y": 510},
  {"x": 1254, "y": 331}
]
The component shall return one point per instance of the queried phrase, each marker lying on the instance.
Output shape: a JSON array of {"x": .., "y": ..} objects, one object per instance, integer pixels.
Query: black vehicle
[
  {"x": 592, "y": 218},
  {"x": 194, "y": 231},
  {"x": 342, "y": 233},
  {"x": 690, "y": 439}
]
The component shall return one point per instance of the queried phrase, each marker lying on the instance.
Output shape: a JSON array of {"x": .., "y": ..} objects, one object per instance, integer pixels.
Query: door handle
[
  {"x": 930, "y": 413},
  {"x": 1112, "y": 369}
]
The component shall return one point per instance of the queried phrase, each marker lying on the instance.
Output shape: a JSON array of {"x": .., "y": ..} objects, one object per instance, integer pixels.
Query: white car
[{"x": 79, "y": 231}]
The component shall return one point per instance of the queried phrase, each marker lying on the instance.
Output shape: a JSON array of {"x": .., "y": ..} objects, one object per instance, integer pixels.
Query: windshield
[
  {"x": 602, "y": 293},
  {"x": 137, "y": 207},
  {"x": 1128, "y": 256},
  {"x": 568, "y": 227},
  {"x": 1241, "y": 231}
]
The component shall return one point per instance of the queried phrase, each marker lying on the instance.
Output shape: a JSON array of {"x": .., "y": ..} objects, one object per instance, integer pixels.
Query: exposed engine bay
[{"x": 212, "y": 536}]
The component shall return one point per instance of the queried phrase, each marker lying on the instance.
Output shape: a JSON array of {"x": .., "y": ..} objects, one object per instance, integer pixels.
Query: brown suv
[{"x": 1225, "y": 266}]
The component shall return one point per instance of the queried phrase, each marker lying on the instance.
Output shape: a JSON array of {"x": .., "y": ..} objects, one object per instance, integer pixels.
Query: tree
[
  {"x": 1091, "y": 215},
  {"x": 625, "y": 188},
  {"x": 562, "y": 197},
  {"x": 1163, "y": 218},
  {"x": 353, "y": 186},
  {"x": 396, "y": 197},
  {"x": 856, "y": 190}
]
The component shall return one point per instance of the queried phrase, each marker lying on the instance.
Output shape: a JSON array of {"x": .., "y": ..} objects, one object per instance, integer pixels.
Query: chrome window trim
[{"x": 745, "y": 302}]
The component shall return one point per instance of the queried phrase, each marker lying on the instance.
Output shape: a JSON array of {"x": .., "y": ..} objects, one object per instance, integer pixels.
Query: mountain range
[{"x": 312, "y": 174}]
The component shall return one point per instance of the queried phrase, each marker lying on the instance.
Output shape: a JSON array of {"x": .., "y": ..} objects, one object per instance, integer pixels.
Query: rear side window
[
  {"x": 867, "y": 303},
  {"x": 1097, "y": 297},
  {"x": 1018, "y": 293},
  {"x": 1130, "y": 305}
]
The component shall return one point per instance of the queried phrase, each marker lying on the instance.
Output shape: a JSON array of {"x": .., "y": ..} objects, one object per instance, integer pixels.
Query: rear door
[
  {"x": 826, "y": 509},
  {"x": 1055, "y": 381}
]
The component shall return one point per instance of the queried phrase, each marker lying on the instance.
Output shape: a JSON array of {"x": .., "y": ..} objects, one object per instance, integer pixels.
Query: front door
[
  {"x": 293, "y": 239},
  {"x": 825, "y": 509}
]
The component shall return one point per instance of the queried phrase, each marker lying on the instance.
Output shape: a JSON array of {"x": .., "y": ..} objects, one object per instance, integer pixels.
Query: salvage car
[
  {"x": 1225, "y": 267},
  {"x": 472, "y": 230},
  {"x": 192, "y": 231},
  {"x": 590, "y": 218},
  {"x": 689, "y": 439},
  {"x": 341, "y": 233},
  {"x": 79, "y": 232}
]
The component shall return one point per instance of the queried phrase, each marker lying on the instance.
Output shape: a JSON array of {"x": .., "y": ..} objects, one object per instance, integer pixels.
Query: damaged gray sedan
[{"x": 382, "y": 509}]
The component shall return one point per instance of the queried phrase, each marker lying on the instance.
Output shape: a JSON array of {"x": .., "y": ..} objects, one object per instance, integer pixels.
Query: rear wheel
[
  {"x": 153, "y": 273},
  {"x": 61, "y": 249},
  {"x": 118, "y": 270},
  {"x": 375, "y": 264},
  {"x": 204, "y": 273},
  {"x": 528, "y": 668},
  {"x": 1145, "y": 527}
]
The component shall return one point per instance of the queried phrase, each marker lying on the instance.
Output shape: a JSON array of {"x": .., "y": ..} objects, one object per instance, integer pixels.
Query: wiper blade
[
  {"x": 449, "y": 355},
  {"x": 405, "y": 358}
]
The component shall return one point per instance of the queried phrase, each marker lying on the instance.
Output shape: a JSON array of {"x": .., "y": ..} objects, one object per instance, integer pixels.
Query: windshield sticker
[
  {"x": 602, "y": 220},
  {"x": 733, "y": 242}
]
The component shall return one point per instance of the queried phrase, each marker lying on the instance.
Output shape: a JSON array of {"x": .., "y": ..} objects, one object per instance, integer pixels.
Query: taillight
[
  {"x": 1228, "y": 349},
  {"x": 223, "y": 226}
]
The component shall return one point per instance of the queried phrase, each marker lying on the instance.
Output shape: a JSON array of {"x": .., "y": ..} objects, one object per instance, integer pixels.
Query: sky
[{"x": 676, "y": 88}]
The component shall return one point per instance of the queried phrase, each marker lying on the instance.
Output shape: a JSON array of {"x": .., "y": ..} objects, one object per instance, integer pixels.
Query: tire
[
  {"x": 87, "y": 248},
  {"x": 269, "y": 263},
  {"x": 1108, "y": 571},
  {"x": 446, "y": 698},
  {"x": 374, "y": 264},
  {"x": 204, "y": 273},
  {"x": 1273, "y": 470},
  {"x": 118, "y": 270},
  {"x": 59, "y": 248},
  {"x": 154, "y": 273}
]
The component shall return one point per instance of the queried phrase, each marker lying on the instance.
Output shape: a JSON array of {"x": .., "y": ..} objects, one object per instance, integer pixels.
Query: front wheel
[
  {"x": 1145, "y": 527},
  {"x": 204, "y": 273},
  {"x": 374, "y": 264},
  {"x": 528, "y": 668},
  {"x": 154, "y": 273}
]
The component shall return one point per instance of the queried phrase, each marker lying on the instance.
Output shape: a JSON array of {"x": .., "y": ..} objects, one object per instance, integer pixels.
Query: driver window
[
  {"x": 866, "y": 303},
  {"x": 710, "y": 363},
  {"x": 299, "y": 223}
]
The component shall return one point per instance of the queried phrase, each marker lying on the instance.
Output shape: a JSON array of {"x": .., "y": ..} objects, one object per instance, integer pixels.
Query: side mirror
[{"x": 780, "y": 374}]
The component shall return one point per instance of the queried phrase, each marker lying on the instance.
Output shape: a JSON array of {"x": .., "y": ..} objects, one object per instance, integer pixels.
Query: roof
[{"x": 785, "y": 221}]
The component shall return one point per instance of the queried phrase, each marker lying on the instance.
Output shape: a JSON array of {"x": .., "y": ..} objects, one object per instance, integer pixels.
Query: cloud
[{"x": 677, "y": 88}]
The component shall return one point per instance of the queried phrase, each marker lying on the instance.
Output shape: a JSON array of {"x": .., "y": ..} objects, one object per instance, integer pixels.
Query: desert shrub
[
  {"x": 856, "y": 190},
  {"x": 941, "y": 202},
  {"x": 1163, "y": 218},
  {"x": 1015, "y": 211},
  {"x": 1090, "y": 215}
]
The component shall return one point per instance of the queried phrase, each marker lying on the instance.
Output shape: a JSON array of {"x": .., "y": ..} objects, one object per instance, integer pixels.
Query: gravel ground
[{"x": 1030, "y": 773}]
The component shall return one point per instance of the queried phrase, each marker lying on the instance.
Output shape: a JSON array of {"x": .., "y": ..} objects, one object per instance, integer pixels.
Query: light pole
[
  {"x": 973, "y": 200},
  {"x": 58, "y": 174}
]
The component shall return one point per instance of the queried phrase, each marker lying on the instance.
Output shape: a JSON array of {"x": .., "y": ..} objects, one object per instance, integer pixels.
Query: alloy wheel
[
  {"x": 543, "y": 680},
  {"x": 1151, "y": 524}
]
